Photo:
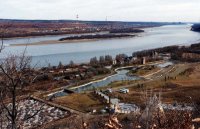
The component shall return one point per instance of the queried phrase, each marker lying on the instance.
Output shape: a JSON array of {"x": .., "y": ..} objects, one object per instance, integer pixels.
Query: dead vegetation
[{"x": 84, "y": 102}]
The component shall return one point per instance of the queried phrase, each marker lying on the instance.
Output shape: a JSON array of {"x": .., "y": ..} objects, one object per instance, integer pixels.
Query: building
[
  {"x": 144, "y": 60},
  {"x": 114, "y": 62}
]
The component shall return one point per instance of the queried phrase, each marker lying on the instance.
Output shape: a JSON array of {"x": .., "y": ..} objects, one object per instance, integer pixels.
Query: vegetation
[
  {"x": 183, "y": 53},
  {"x": 96, "y": 36},
  {"x": 15, "y": 71},
  {"x": 24, "y": 28},
  {"x": 196, "y": 27},
  {"x": 127, "y": 30},
  {"x": 84, "y": 102},
  {"x": 144, "y": 70}
]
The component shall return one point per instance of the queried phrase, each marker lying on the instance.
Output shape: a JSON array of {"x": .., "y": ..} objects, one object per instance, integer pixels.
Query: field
[{"x": 84, "y": 102}]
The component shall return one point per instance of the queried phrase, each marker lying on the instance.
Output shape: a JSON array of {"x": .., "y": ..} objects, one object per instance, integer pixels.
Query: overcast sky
[{"x": 122, "y": 10}]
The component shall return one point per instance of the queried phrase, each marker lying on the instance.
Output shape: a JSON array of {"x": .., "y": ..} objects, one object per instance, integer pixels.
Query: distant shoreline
[
  {"x": 18, "y": 36},
  {"x": 65, "y": 41}
]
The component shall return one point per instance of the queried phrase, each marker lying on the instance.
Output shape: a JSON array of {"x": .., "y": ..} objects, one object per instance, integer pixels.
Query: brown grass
[{"x": 84, "y": 102}]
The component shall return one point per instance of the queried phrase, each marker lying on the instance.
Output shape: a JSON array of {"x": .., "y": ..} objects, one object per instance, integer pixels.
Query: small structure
[
  {"x": 127, "y": 108},
  {"x": 108, "y": 67},
  {"x": 144, "y": 60},
  {"x": 124, "y": 90},
  {"x": 114, "y": 62},
  {"x": 113, "y": 101},
  {"x": 133, "y": 59},
  {"x": 165, "y": 56},
  {"x": 155, "y": 54},
  {"x": 119, "y": 107}
]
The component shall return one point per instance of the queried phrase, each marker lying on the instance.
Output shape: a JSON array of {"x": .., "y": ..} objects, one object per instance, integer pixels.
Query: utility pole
[
  {"x": 77, "y": 21},
  {"x": 77, "y": 17}
]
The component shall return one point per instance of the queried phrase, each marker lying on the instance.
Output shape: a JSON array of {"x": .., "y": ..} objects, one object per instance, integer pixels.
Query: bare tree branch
[{"x": 13, "y": 70}]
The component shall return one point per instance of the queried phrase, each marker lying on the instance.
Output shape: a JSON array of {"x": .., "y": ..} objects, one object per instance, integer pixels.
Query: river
[{"x": 81, "y": 52}]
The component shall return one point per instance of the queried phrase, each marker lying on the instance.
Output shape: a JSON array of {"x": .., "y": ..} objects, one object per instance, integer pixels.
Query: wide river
[{"x": 82, "y": 51}]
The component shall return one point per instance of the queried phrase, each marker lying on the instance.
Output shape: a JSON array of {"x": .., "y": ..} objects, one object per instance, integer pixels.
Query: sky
[{"x": 114, "y": 10}]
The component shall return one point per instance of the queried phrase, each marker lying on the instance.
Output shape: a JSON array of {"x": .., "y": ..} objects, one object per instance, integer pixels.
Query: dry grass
[
  {"x": 145, "y": 70},
  {"x": 84, "y": 102}
]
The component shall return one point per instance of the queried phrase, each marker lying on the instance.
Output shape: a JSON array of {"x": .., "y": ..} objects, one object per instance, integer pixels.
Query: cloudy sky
[{"x": 122, "y": 10}]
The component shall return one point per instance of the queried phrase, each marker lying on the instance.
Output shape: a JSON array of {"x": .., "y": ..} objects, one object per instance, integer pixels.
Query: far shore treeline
[
  {"x": 27, "y": 28},
  {"x": 178, "y": 53}
]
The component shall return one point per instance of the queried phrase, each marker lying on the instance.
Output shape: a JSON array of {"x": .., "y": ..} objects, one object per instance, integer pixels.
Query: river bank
[{"x": 78, "y": 39}]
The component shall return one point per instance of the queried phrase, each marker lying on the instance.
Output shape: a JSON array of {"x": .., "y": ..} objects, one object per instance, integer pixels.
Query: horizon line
[{"x": 20, "y": 19}]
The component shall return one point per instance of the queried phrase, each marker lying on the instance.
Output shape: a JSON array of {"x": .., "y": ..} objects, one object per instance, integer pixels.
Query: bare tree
[
  {"x": 152, "y": 108},
  {"x": 94, "y": 61},
  {"x": 71, "y": 63},
  {"x": 14, "y": 75},
  {"x": 108, "y": 60},
  {"x": 102, "y": 60},
  {"x": 60, "y": 65},
  {"x": 13, "y": 72},
  {"x": 3, "y": 30},
  {"x": 1, "y": 116}
]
